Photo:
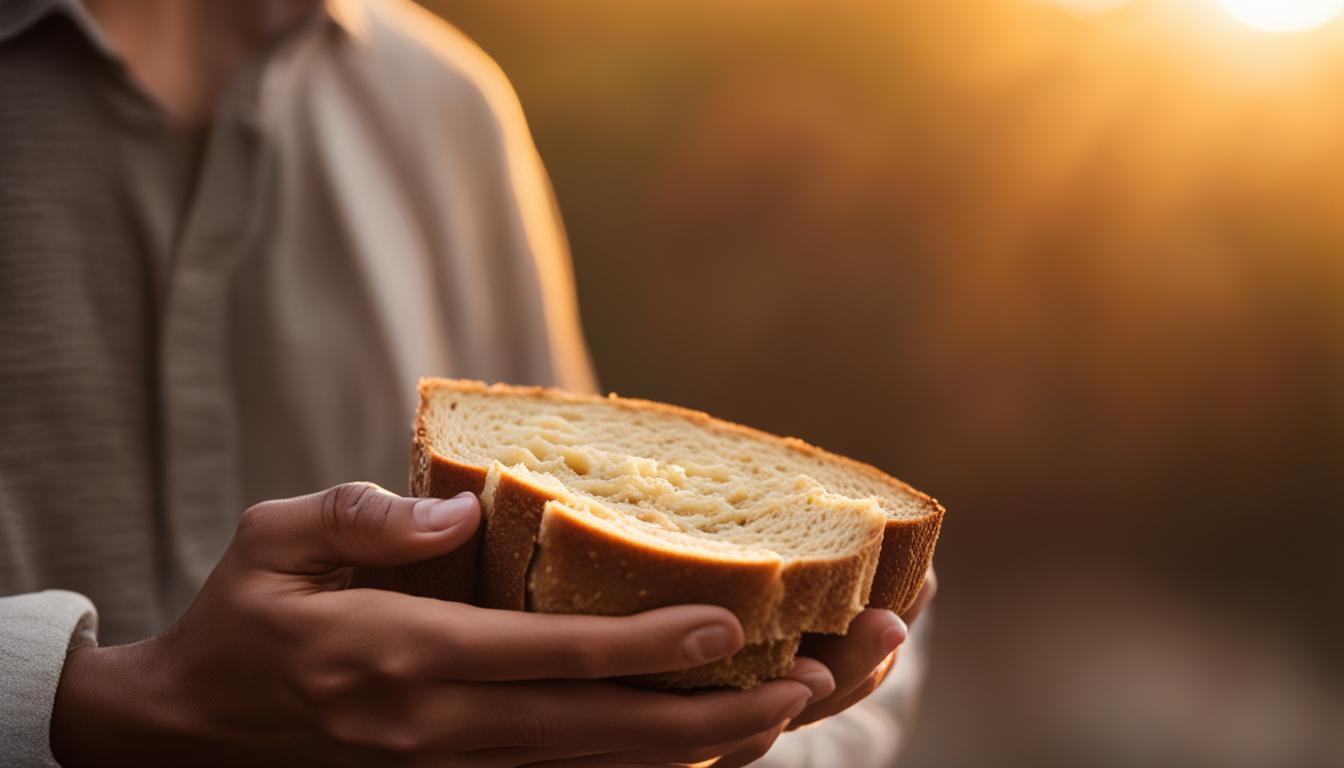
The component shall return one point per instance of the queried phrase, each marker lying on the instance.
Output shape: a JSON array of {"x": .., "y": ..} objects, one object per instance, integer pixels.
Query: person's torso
[{"x": 174, "y": 347}]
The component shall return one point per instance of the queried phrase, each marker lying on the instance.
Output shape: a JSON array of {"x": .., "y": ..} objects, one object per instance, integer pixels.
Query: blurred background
[{"x": 1076, "y": 268}]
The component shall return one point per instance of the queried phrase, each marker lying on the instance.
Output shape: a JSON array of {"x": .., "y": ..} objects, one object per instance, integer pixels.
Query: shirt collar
[{"x": 19, "y": 16}]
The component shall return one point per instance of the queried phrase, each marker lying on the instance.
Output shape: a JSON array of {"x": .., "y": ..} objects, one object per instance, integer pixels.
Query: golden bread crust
[
  {"x": 576, "y": 567},
  {"x": 581, "y": 568}
]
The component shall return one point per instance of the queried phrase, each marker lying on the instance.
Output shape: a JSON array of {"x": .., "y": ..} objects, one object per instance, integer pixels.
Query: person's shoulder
[{"x": 431, "y": 58}]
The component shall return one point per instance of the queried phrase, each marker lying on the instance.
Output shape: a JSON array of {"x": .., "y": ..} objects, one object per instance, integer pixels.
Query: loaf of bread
[{"x": 608, "y": 505}]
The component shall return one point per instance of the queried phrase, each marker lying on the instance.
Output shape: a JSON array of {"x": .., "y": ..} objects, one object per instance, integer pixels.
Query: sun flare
[{"x": 1283, "y": 15}]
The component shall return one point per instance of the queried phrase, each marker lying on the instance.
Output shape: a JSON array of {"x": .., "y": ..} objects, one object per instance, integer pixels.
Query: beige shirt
[{"x": 175, "y": 346}]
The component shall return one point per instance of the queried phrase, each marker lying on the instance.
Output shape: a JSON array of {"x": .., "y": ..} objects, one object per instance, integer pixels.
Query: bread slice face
[{"x": 608, "y": 505}]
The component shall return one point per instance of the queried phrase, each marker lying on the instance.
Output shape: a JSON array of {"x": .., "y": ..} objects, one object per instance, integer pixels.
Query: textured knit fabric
[{"x": 36, "y": 631}]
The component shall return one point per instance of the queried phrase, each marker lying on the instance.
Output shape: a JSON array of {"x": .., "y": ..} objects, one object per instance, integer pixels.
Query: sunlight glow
[
  {"x": 1089, "y": 7},
  {"x": 1283, "y": 15}
]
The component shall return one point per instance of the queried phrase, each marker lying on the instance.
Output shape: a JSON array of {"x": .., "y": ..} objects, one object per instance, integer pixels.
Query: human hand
[
  {"x": 277, "y": 662},
  {"x": 860, "y": 659}
]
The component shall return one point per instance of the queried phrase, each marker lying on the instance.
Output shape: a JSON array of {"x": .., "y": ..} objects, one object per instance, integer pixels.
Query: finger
[
  {"x": 357, "y": 524},
  {"x": 455, "y": 641},
  {"x": 711, "y": 754},
  {"x": 751, "y": 750},
  {"x": 923, "y": 598},
  {"x": 513, "y": 757},
  {"x": 810, "y": 672},
  {"x": 805, "y": 672},
  {"x": 852, "y": 657},
  {"x": 512, "y": 645},
  {"x": 815, "y": 676},
  {"x": 837, "y": 704},
  {"x": 697, "y": 755},
  {"x": 600, "y": 762},
  {"x": 608, "y": 717},
  {"x": 689, "y": 755}
]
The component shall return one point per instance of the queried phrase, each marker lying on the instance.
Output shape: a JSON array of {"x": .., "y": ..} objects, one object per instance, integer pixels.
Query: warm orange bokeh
[{"x": 1078, "y": 275}]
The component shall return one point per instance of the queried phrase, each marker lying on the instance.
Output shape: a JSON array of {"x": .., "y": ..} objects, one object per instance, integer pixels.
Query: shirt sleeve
[
  {"x": 37, "y": 630},
  {"x": 871, "y": 733},
  {"x": 545, "y": 249}
]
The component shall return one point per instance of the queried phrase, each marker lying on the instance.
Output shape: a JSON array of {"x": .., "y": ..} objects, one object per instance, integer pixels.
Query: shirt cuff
[{"x": 37, "y": 630}]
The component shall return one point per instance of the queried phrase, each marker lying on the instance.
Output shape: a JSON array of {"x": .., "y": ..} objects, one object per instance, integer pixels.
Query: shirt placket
[{"x": 199, "y": 413}]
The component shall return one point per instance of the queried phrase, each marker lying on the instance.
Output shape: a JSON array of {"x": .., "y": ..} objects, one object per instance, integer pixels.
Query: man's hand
[
  {"x": 276, "y": 662},
  {"x": 860, "y": 659}
]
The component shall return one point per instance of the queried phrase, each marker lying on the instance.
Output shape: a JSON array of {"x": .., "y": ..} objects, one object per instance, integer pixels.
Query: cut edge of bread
[{"x": 542, "y": 548}]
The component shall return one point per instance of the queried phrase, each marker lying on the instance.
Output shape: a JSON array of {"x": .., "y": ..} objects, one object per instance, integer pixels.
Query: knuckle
[
  {"x": 355, "y": 507},
  {"x": 393, "y": 742},
  {"x": 255, "y": 519},
  {"x": 398, "y": 665},
  {"x": 324, "y": 686},
  {"x": 530, "y": 728},
  {"x": 253, "y": 537}
]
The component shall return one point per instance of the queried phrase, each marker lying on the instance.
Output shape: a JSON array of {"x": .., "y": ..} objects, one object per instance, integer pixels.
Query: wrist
[{"x": 112, "y": 706}]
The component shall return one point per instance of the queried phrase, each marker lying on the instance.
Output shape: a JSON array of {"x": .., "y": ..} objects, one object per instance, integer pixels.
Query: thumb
[{"x": 355, "y": 524}]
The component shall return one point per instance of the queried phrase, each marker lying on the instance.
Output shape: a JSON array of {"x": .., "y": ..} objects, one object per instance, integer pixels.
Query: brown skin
[
  {"x": 861, "y": 659},
  {"x": 277, "y": 662},
  {"x": 858, "y": 661}
]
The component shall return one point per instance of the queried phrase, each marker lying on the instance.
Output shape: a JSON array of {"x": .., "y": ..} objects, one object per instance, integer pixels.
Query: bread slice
[{"x": 612, "y": 506}]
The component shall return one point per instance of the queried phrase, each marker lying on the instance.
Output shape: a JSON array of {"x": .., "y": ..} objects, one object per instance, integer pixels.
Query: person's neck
[{"x": 184, "y": 53}]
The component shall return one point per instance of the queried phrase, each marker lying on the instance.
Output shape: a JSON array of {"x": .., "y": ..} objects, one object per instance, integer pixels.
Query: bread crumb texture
[{"x": 669, "y": 505}]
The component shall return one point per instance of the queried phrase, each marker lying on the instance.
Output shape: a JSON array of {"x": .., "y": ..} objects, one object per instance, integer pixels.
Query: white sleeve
[
  {"x": 37, "y": 630},
  {"x": 870, "y": 733}
]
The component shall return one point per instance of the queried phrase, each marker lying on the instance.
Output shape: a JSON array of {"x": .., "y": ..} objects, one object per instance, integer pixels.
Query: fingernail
[
  {"x": 709, "y": 643},
  {"x": 892, "y": 636},
  {"x": 820, "y": 681},
  {"x": 442, "y": 515}
]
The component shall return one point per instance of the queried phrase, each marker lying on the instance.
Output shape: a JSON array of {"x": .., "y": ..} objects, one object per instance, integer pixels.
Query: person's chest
[{"x": 182, "y": 335}]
